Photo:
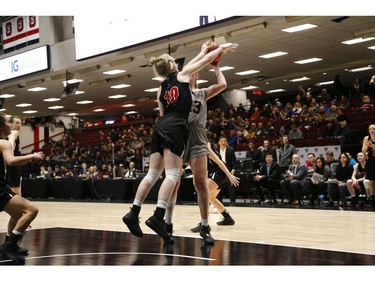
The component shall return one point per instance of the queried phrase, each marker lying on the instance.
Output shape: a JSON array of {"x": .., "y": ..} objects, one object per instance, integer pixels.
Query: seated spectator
[
  {"x": 256, "y": 114},
  {"x": 132, "y": 171},
  {"x": 93, "y": 172},
  {"x": 254, "y": 154},
  {"x": 343, "y": 133},
  {"x": 270, "y": 130},
  {"x": 276, "y": 114},
  {"x": 66, "y": 173},
  {"x": 43, "y": 173},
  {"x": 343, "y": 102},
  {"x": 314, "y": 105},
  {"x": 316, "y": 184},
  {"x": 328, "y": 131},
  {"x": 232, "y": 138},
  {"x": 297, "y": 108},
  {"x": 105, "y": 173},
  {"x": 240, "y": 109},
  {"x": 341, "y": 116},
  {"x": 323, "y": 96},
  {"x": 269, "y": 177},
  {"x": 343, "y": 173},
  {"x": 366, "y": 104},
  {"x": 352, "y": 161},
  {"x": 252, "y": 131},
  {"x": 293, "y": 182},
  {"x": 332, "y": 114},
  {"x": 266, "y": 149},
  {"x": 330, "y": 159},
  {"x": 240, "y": 139},
  {"x": 56, "y": 172},
  {"x": 355, "y": 184},
  {"x": 310, "y": 164},
  {"x": 322, "y": 114},
  {"x": 295, "y": 133},
  {"x": 288, "y": 111},
  {"x": 260, "y": 132}
]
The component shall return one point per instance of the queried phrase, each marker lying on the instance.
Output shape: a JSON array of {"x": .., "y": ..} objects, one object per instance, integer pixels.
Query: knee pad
[
  {"x": 172, "y": 175},
  {"x": 153, "y": 175}
]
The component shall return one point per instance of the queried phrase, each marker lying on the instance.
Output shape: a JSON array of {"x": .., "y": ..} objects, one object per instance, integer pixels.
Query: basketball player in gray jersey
[{"x": 197, "y": 147}]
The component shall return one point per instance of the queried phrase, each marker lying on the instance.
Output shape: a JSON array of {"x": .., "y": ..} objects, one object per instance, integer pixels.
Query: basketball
[{"x": 213, "y": 47}]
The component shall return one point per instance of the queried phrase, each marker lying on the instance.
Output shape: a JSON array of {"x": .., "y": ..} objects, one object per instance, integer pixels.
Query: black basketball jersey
[
  {"x": 17, "y": 150},
  {"x": 175, "y": 96},
  {"x": 2, "y": 170}
]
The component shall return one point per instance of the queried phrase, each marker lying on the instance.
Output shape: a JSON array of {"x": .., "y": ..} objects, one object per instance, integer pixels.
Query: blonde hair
[{"x": 162, "y": 65}]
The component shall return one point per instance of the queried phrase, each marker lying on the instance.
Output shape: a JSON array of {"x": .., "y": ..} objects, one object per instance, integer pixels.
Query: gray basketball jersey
[{"x": 198, "y": 112}]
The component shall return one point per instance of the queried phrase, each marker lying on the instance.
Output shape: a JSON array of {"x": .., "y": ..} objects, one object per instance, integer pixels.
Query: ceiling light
[
  {"x": 5, "y": 96},
  {"x": 361, "y": 69},
  {"x": 30, "y": 111},
  {"x": 272, "y": 55},
  {"x": 371, "y": 48},
  {"x": 72, "y": 114},
  {"x": 299, "y": 28},
  {"x": 120, "y": 86},
  {"x": 84, "y": 102},
  {"x": 201, "y": 81},
  {"x": 160, "y": 79},
  {"x": 308, "y": 60},
  {"x": 121, "y": 61},
  {"x": 324, "y": 83},
  {"x": 114, "y": 72},
  {"x": 128, "y": 105},
  {"x": 99, "y": 110},
  {"x": 117, "y": 96},
  {"x": 224, "y": 68},
  {"x": 23, "y": 104},
  {"x": 275, "y": 91},
  {"x": 51, "y": 99},
  {"x": 247, "y": 72},
  {"x": 300, "y": 79},
  {"x": 357, "y": 40},
  {"x": 249, "y": 87},
  {"x": 37, "y": 89},
  {"x": 156, "y": 108},
  {"x": 152, "y": 90},
  {"x": 55, "y": 107},
  {"x": 73, "y": 81},
  {"x": 131, "y": 112},
  {"x": 79, "y": 92},
  {"x": 3, "y": 109}
]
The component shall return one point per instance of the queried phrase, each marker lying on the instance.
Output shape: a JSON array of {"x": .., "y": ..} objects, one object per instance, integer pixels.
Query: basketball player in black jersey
[
  {"x": 368, "y": 148},
  {"x": 169, "y": 140},
  {"x": 21, "y": 210}
]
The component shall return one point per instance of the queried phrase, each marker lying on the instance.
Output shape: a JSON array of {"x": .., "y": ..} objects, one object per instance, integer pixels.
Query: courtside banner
[{"x": 19, "y": 32}]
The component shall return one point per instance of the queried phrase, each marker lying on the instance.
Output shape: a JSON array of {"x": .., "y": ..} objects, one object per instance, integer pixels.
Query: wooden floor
[{"x": 92, "y": 233}]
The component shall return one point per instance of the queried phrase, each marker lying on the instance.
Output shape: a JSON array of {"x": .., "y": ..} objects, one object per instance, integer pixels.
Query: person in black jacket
[
  {"x": 294, "y": 181},
  {"x": 344, "y": 172},
  {"x": 268, "y": 177},
  {"x": 229, "y": 158}
]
